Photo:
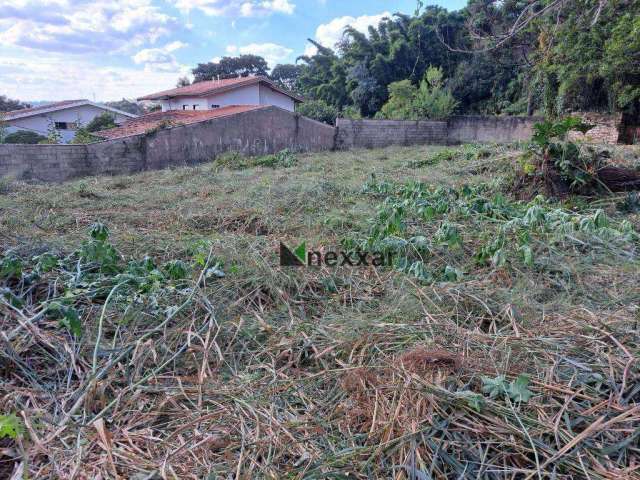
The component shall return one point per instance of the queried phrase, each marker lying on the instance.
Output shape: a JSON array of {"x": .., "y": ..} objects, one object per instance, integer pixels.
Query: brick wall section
[
  {"x": 256, "y": 132},
  {"x": 607, "y": 128},
  {"x": 459, "y": 129}
]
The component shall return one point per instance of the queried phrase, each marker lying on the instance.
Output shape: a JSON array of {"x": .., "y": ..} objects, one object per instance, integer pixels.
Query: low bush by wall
[
  {"x": 459, "y": 129},
  {"x": 256, "y": 132}
]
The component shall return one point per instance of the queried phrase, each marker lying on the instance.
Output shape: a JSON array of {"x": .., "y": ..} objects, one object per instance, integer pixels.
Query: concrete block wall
[
  {"x": 455, "y": 130},
  {"x": 490, "y": 129},
  {"x": 256, "y": 132},
  {"x": 382, "y": 133}
]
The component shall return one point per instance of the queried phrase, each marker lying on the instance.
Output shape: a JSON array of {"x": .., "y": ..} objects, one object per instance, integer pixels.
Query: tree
[
  {"x": 230, "y": 67},
  {"x": 183, "y": 82},
  {"x": 319, "y": 110},
  {"x": 401, "y": 99},
  {"x": 24, "y": 136},
  {"x": 367, "y": 95},
  {"x": 7, "y": 104},
  {"x": 127, "y": 106},
  {"x": 287, "y": 76},
  {"x": 101, "y": 122},
  {"x": 324, "y": 77},
  {"x": 83, "y": 136},
  {"x": 592, "y": 66},
  {"x": 53, "y": 136},
  {"x": 431, "y": 100}
]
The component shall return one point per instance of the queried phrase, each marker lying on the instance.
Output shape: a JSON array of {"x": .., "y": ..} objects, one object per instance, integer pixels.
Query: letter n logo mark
[{"x": 295, "y": 258}]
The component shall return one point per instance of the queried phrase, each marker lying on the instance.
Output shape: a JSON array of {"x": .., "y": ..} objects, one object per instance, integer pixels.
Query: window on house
[
  {"x": 195, "y": 107},
  {"x": 184, "y": 107},
  {"x": 61, "y": 125},
  {"x": 215, "y": 106}
]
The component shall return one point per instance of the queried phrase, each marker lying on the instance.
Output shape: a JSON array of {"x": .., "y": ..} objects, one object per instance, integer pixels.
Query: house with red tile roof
[
  {"x": 65, "y": 117},
  {"x": 214, "y": 94}
]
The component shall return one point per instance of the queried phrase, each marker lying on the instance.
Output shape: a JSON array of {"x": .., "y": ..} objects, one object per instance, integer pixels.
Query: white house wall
[
  {"x": 248, "y": 95},
  {"x": 178, "y": 103},
  {"x": 40, "y": 123},
  {"x": 269, "y": 96}
]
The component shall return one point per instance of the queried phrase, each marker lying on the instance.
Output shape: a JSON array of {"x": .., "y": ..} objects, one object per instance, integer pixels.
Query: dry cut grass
[{"x": 272, "y": 372}]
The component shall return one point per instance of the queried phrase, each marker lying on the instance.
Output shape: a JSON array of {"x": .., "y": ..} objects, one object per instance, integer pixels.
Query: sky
[{"x": 108, "y": 50}]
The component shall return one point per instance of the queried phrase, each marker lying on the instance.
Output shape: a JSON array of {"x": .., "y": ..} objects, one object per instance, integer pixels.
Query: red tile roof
[
  {"x": 172, "y": 118},
  {"x": 211, "y": 87},
  {"x": 52, "y": 107}
]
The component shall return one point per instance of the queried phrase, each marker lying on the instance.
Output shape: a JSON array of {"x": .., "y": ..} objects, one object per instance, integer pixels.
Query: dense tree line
[{"x": 509, "y": 57}]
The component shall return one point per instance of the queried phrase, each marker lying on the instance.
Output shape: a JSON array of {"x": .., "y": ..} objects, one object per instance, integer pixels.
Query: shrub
[
  {"x": 53, "y": 136},
  {"x": 25, "y": 137},
  {"x": 352, "y": 112},
  {"x": 431, "y": 100},
  {"x": 101, "y": 122},
  {"x": 400, "y": 105},
  {"x": 231, "y": 160},
  {"x": 319, "y": 110},
  {"x": 83, "y": 136},
  {"x": 236, "y": 161},
  {"x": 283, "y": 159}
]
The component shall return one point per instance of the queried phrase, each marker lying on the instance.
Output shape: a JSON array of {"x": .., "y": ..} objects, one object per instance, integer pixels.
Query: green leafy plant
[
  {"x": 318, "y": 110},
  {"x": 24, "y": 137},
  {"x": 430, "y": 100},
  {"x": 176, "y": 269},
  {"x": 544, "y": 133},
  {"x": 11, "y": 426},
  {"x": 516, "y": 390},
  {"x": 98, "y": 250},
  {"x": 11, "y": 266},
  {"x": 84, "y": 136},
  {"x": 283, "y": 159},
  {"x": 67, "y": 315}
]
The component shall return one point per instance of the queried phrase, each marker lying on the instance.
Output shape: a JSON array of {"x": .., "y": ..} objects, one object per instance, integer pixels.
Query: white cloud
[
  {"x": 43, "y": 78},
  {"x": 328, "y": 34},
  {"x": 235, "y": 8},
  {"x": 160, "y": 59},
  {"x": 271, "y": 52},
  {"x": 281, "y": 6},
  {"x": 173, "y": 46},
  {"x": 82, "y": 26},
  {"x": 53, "y": 49}
]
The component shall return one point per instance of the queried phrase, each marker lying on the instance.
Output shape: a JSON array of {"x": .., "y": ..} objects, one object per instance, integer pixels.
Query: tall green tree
[
  {"x": 323, "y": 77},
  {"x": 287, "y": 76},
  {"x": 230, "y": 67}
]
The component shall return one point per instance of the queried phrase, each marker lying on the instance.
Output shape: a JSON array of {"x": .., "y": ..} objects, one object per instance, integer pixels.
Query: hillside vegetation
[{"x": 148, "y": 330}]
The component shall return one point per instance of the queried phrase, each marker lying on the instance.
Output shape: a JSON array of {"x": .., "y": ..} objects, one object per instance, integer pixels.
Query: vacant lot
[{"x": 171, "y": 344}]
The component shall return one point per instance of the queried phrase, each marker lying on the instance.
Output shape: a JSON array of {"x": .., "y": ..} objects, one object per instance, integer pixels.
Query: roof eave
[{"x": 222, "y": 89}]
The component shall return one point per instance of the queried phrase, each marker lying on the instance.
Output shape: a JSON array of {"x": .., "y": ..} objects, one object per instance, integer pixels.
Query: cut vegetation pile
[
  {"x": 150, "y": 332},
  {"x": 559, "y": 167}
]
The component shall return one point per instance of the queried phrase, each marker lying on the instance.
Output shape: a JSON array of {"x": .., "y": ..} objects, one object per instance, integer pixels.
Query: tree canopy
[
  {"x": 7, "y": 104},
  {"x": 508, "y": 57},
  {"x": 230, "y": 67}
]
